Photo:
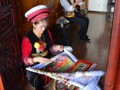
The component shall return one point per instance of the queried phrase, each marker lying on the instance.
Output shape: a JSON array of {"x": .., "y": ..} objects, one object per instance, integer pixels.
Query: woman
[
  {"x": 37, "y": 45},
  {"x": 75, "y": 16}
]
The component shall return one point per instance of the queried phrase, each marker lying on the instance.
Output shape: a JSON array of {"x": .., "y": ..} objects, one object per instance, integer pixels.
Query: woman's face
[{"x": 41, "y": 25}]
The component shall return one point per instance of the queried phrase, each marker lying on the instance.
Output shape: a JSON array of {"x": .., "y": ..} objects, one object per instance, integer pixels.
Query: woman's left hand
[{"x": 59, "y": 48}]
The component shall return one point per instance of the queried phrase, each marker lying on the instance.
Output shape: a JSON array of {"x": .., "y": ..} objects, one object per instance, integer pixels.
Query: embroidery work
[{"x": 40, "y": 48}]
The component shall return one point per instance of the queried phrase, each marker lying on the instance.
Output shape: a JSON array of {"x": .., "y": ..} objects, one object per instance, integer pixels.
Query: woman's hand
[
  {"x": 78, "y": 1},
  {"x": 59, "y": 48},
  {"x": 40, "y": 59}
]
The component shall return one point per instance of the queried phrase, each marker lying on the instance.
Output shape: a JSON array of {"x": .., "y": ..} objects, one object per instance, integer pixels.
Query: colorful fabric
[
  {"x": 87, "y": 80},
  {"x": 37, "y": 13}
]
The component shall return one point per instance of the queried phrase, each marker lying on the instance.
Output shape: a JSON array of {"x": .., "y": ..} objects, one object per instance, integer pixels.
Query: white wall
[{"x": 97, "y": 5}]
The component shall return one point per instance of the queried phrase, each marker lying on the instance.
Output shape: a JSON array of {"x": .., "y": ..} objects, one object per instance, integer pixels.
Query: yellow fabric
[
  {"x": 69, "y": 14},
  {"x": 41, "y": 54}
]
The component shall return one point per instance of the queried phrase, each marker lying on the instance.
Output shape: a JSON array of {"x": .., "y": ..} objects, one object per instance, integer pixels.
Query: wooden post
[
  {"x": 1, "y": 84},
  {"x": 113, "y": 68}
]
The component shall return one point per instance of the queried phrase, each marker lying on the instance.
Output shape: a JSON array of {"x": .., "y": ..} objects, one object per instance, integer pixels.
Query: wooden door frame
[
  {"x": 112, "y": 78},
  {"x": 1, "y": 84}
]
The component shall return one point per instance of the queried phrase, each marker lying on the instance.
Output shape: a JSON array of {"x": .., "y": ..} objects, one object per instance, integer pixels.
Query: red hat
[{"x": 37, "y": 13}]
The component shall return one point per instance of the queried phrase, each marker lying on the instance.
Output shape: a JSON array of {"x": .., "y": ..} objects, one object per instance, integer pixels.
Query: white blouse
[{"x": 66, "y": 5}]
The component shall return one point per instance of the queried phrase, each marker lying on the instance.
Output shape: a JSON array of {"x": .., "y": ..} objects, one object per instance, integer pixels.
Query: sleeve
[
  {"x": 26, "y": 50},
  {"x": 66, "y": 5}
]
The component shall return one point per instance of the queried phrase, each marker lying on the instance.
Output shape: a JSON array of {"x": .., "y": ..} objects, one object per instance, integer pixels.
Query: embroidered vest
[{"x": 33, "y": 39}]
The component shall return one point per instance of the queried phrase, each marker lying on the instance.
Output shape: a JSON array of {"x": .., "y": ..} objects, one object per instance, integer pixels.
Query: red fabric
[
  {"x": 46, "y": 79},
  {"x": 40, "y": 13},
  {"x": 26, "y": 50},
  {"x": 39, "y": 17},
  {"x": 52, "y": 41},
  {"x": 51, "y": 38}
]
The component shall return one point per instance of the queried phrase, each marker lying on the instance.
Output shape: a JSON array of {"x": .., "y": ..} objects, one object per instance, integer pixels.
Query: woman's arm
[
  {"x": 67, "y": 6},
  {"x": 26, "y": 50},
  {"x": 76, "y": 3}
]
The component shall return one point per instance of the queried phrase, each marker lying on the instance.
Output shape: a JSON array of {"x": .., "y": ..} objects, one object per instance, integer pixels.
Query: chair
[{"x": 110, "y": 5}]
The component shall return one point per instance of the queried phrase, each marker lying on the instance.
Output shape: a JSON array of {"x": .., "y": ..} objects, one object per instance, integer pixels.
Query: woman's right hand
[
  {"x": 79, "y": 1},
  {"x": 76, "y": 3},
  {"x": 40, "y": 59}
]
